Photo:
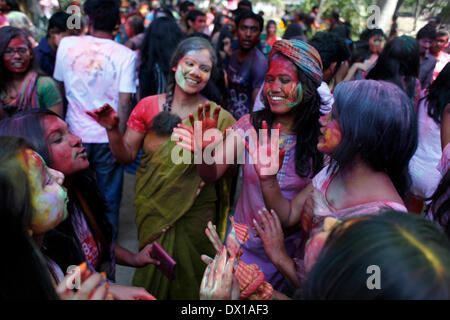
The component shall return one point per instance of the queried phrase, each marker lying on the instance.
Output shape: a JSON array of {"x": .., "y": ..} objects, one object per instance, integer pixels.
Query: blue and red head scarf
[{"x": 302, "y": 55}]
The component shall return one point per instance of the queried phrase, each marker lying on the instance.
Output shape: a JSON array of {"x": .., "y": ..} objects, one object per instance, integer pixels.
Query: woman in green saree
[{"x": 173, "y": 204}]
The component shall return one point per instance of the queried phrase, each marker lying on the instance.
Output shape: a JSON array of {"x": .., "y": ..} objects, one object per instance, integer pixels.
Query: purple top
[
  {"x": 251, "y": 200},
  {"x": 243, "y": 77}
]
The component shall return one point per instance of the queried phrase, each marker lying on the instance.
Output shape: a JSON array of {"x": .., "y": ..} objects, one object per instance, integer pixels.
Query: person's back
[{"x": 94, "y": 71}]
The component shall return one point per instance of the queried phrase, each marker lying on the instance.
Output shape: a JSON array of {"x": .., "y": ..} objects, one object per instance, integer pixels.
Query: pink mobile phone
[{"x": 167, "y": 265}]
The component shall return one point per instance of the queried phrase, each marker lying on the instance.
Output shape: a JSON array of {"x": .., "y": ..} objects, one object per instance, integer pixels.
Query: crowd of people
[{"x": 269, "y": 164}]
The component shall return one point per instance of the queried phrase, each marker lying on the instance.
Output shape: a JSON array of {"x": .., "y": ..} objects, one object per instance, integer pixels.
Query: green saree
[{"x": 166, "y": 195}]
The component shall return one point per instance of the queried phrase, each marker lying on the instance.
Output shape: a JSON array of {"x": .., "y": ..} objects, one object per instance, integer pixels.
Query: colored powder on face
[
  {"x": 298, "y": 94},
  {"x": 180, "y": 78},
  {"x": 49, "y": 201}
]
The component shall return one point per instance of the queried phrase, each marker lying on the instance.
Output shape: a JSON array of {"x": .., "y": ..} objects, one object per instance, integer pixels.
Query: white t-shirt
[
  {"x": 422, "y": 166},
  {"x": 94, "y": 71}
]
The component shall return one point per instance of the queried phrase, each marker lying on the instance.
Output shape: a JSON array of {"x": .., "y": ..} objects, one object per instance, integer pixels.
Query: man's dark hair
[
  {"x": 104, "y": 14},
  {"x": 248, "y": 14},
  {"x": 58, "y": 22},
  {"x": 428, "y": 31},
  {"x": 244, "y": 4},
  {"x": 192, "y": 16},
  {"x": 184, "y": 6},
  {"x": 13, "y": 5},
  {"x": 331, "y": 48},
  {"x": 136, "y": 23}
]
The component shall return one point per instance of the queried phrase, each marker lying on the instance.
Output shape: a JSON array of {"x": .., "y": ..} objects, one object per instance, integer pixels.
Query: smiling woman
[
  {"x": 32, "y": 203},
  {"x": 21, "y": 87},
  {"x": 86, "y": 236},
  {"x": 169, "y": 195}
]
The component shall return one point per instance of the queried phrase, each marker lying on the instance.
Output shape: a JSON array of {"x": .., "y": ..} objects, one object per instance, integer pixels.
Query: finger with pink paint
[{"x": 213, "y": 236}]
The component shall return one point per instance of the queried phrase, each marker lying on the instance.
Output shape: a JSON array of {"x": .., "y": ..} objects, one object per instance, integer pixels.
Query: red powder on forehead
[{"x": 16, "y": 42}]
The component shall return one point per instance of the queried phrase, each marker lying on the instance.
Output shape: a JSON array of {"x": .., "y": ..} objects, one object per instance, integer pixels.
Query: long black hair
[
  {"x": 379, "y": 125},
  {"x": 61, "y": 244},
  {"x": 399, "y": 63},
  {"x": 409, "y": 252},
  {"x": 156, "y": 50},
  {"x": 24, "y": 273},
  {"x": 439, "y": 94},
  {"x": 308, "y": 160}
]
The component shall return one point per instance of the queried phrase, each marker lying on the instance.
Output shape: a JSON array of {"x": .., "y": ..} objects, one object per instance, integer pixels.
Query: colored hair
[
  {"x": 61, "y": 244},
  {"x": 399, "y": 63},
  {"x": 308, "y": 160},
  {"x": 412, "y": 255},
  {"x": 25, "y": 275},
  {"x": 157, "y": 48},
  {"x": 439, "y": 94},
  {"x": 104, "y": 14},
  {"x": 377, "y": 120}
]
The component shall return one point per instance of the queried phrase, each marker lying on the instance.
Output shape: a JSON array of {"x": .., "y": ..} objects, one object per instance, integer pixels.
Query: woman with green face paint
[
  {"x": 292, "y": 109},
  {"x": 172, "y": 202},
  {"x": 32, "y": 203}
]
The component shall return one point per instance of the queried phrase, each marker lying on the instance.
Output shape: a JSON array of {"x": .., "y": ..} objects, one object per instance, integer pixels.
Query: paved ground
[{"x": 127, "y": 237}]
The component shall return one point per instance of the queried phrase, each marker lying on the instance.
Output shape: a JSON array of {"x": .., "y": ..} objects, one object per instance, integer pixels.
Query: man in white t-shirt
[{"x": 96, "y": 70}]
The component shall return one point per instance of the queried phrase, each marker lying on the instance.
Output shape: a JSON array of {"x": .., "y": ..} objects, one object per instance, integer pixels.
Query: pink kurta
[{"x": 251, "y": 200}]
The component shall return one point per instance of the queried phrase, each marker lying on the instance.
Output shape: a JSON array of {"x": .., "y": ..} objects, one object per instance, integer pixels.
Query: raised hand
[
  {"x": 271, "y": 234},
  {"x": 266, "y": 156},
  {"x": 197, "y": 141},
  {"x": 218, "y": 281},
  {"x": 106, "y": 116},
  {"x": 213, "y": 236}
]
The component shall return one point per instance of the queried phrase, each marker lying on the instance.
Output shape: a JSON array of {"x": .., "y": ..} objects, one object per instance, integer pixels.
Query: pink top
[
  {"x": 251, "y": 200},
  {"x": 323, "y": 209}
]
